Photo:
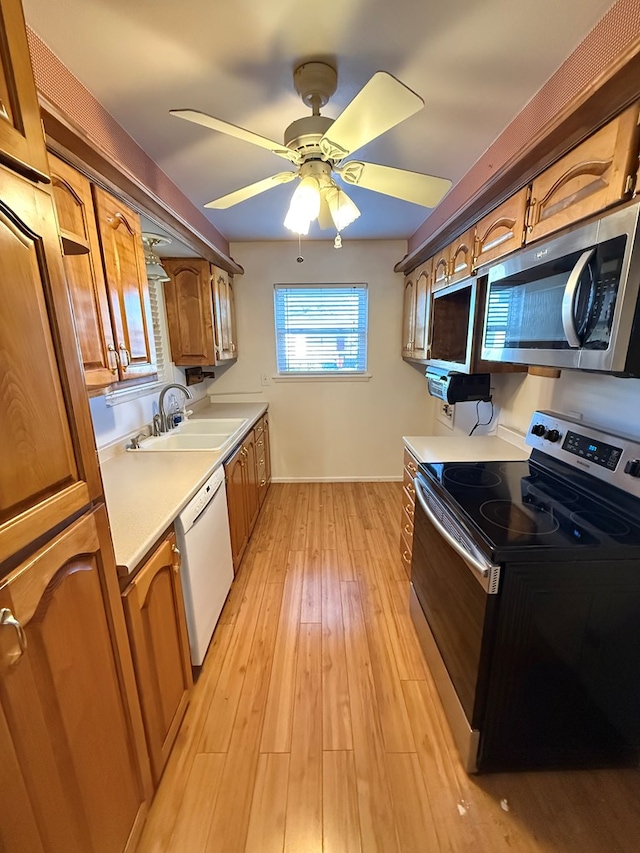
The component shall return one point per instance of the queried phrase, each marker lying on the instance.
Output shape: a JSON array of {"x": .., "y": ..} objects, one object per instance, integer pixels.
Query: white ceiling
[{"x": 475, "y": 63}]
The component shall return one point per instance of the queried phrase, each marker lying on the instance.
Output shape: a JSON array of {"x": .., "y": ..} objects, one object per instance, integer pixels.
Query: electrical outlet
[
  {"x": 264, "y": 378},
  {"x": 446, "y": 414}
]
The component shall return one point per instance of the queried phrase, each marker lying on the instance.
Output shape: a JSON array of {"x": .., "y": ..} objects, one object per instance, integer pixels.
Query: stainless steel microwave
[{"x": 571, "y": 302}]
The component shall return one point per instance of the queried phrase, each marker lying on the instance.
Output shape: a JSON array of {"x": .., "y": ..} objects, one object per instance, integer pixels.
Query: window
[{"x": 321, "y": 329}]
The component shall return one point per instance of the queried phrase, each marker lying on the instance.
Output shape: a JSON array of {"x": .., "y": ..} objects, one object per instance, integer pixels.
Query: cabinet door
[
  {"x": 190, "y": 311},
  {"x": 154, "y": 608},
  {"x": 461, "y": 257},
  {"x": 67, "y": 725},
  {"x": 21, "y": 138},
  {"x": 267, "y": 449},
  {"x": 440, "y": 275},
  {"x": 48, "y": 467},
  {"x": 226, "y": 348},
  {"x": 252, "y": 487},
  {"x": 422, "y": 311},
  {"x": 77, "y": 224},
  {"x": 408, "y": 314},
  {"x": 236, "y": 479},
  {"x": 502, "y": 230},
  {"x": 127, "y": 286},
  {"x": 262, "y": 451},
  {"x": 594, "y": 175}
]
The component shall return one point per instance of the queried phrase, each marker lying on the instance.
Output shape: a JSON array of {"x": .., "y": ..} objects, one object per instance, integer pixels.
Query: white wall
[
  {"x": 328, "y": 429},
  {"x": 605, "y": 401}
]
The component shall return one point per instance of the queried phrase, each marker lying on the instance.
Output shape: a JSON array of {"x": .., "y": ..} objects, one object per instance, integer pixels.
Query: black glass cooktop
[{"x": 523, "y": 505}]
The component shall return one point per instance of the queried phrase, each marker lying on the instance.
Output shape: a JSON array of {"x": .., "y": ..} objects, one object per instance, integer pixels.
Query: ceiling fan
[{"x": 318, "y": 145}]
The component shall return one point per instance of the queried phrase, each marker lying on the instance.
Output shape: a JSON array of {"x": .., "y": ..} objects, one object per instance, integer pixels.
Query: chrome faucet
[{"x": 165, "y": 426}]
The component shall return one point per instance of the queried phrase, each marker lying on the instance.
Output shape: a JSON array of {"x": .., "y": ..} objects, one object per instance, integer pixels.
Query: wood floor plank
[
  {"x": 201, "y": 793},
  {"x": 394, "y": 720},
  {"x": 336, "y": 709},
  {"x": 311, "y": 610},
  {"x": 328, "y": 528},
  {"x": 304, "y": 800},
  {"x": 340, "y": 818},
  {"x": 218, "y": 726},
  {"x": 230, "y": 822},
  {"x": 280, "y": 540},
  {"x": 411, "y": 804},
  {"x": 276, "y": 731},
  {"x": 300, "y": 512},
  {"x": 343, "y": 548},
  {"x": 313, "y": 534},
  {"x": 377, "y": 823},
  {"x": 269, "y": 805}
]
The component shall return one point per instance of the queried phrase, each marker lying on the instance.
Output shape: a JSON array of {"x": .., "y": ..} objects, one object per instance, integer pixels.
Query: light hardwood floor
[{"x": 315, "y": 726}]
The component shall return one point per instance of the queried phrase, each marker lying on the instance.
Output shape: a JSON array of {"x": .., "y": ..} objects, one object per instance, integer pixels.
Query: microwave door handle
[{"x": 569, "y": 298}]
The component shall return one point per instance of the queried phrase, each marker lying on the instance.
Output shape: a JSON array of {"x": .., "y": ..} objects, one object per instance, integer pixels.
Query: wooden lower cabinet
[
  {"x": 408, "y": 510},
  {"x": 245, "y": 470},
  {"x": 70, "y": 727},
  {"x": 154, "y": 610}
]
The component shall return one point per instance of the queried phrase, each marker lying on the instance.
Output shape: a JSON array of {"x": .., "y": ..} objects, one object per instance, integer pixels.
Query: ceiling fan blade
[
  {"x": 381, "y": 104},
  {"x": 239, "y": 132},
  {"x": 425, "y": 190},
  {"x": 249, "y": 191}
]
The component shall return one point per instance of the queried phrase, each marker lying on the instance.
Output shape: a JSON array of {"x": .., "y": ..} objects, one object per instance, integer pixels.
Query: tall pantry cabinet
[{"x": 74, "y": 774}]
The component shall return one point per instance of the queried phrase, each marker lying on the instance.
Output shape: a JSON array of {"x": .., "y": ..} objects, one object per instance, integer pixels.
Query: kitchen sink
[{"x": 205, "y": 434}]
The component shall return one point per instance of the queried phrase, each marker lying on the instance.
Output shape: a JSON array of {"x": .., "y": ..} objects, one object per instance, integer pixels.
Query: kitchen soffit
[{"x": 476, "y": 63}]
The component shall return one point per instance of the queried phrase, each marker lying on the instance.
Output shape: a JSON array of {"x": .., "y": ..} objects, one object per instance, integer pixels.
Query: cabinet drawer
[
  {"x": 407, "y": 523},
  {"x": 410, "y": 462},
  {"x": 405, "y": 552},
  {"x": 407, "y": 483},
  {"x": 408, "y": 503}
]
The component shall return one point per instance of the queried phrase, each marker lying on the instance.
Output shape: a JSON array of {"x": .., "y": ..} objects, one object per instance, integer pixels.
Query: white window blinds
[{"x": 321, "y": 328}]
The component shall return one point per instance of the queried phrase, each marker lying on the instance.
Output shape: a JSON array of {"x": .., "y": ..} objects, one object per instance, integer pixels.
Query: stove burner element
[
  {"x": 557, "y": 493},
  {"x": 509, "y": 516},
  {"x": 602, "y": 522},
  {"x": 467, "y": 475}
]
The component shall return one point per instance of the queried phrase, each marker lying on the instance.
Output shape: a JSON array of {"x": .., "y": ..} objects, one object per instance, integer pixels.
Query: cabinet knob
[{"x": 7, "y": 619}]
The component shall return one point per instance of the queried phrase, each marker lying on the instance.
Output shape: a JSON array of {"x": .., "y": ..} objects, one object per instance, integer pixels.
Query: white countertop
[
  {"x": 144, "y": 492},
  {"x": 505, "y": 446}
]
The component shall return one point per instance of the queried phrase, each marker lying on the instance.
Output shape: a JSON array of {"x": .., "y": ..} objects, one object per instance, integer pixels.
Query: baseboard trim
[{"x": 336, "y": 479}]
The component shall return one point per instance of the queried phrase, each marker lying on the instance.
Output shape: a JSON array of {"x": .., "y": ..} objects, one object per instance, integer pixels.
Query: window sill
[{"x": 322, "y": 377}]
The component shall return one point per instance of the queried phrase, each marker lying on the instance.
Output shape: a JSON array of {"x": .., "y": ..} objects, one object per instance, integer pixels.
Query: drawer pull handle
[
  {"x": 411, "y": 490},
  {"x": 406, "y": 556},
  {"x": 407, "y": 529},
  {"x": 411, "y": 467},
  {"x": 409, "y": 510},
  {"x": 7, "y": 618}
]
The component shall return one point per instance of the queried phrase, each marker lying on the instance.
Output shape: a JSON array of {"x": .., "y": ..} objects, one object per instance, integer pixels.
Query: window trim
[{"x": 322, "y": 375}]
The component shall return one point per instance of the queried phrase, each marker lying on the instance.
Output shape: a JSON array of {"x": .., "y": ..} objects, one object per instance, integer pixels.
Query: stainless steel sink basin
[{"x": 204, "y": 434}]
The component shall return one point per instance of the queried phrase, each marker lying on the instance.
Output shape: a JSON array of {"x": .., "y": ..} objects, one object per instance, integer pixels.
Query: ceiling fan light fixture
[
  {"x": 304, "y": 206},
  {"x": 343, "y": 210}
]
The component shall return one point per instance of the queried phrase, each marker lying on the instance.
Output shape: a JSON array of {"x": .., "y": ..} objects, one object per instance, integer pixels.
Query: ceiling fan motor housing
[
  {"x": 315, "y": 82},
  {"x": 304, "y": 135}
]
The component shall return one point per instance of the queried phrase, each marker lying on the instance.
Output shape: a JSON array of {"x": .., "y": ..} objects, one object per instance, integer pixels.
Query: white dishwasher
[{"x": 202, "y": 532}]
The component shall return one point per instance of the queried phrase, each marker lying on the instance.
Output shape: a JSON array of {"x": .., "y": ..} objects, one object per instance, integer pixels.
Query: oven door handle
[
  {"x": 569, "y": 299},
  {"x": 489, "y": 572}
]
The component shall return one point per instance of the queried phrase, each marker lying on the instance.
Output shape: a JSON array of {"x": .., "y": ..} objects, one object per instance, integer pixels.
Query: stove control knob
[
  {"x": 553, "y": 435},
  {"x": 633, "y": 467},
  {"x": 538, "y": 429}
]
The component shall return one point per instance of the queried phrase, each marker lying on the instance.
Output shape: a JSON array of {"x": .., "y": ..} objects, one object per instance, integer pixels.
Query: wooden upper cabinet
[
  {"x": 154, "y": 609},
  {"x": 422, "y": 311},
  {"x": 77, "y": 225},
  {"x": 190, "y": 311},
  {"x": 408, "y": 314},
  {"x": 48, "y": 466},
  {"x": 21, "y": 138},
  {"x": 127, "y": 286},
  {"x": 65, "y": 727},
  {"x": 225, "y": 315},
  {"x": 594, "y": 175},
  {"x": 502, "y": 230},
  {"x": 440, "y": 275},
  {"x": 461, "y": 257}
]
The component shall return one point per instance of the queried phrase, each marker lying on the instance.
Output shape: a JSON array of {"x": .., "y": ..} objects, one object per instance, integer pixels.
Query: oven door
[{"x": 455, "y": 588}]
